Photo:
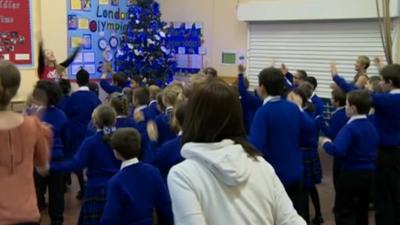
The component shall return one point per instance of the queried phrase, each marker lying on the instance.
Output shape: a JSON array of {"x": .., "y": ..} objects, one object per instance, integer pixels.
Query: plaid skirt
[
  {"x": 93, "y": 206},
  {"x": 312, "y": 167}
]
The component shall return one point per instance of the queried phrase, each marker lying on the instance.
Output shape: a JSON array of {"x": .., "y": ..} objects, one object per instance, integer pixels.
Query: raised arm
[
  {"x": 71, "y": 58},
  {"x": 340, "y": 81},
  {"x": 41, "y": 62}
]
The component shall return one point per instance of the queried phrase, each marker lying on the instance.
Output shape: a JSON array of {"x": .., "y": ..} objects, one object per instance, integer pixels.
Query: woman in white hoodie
[{"x": 223, "y": 179}]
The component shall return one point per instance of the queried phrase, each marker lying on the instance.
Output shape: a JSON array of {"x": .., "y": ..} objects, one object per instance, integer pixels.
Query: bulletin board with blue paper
[
  {"x": 99, "y": 23},
  {"x": 186, "y": 40}
]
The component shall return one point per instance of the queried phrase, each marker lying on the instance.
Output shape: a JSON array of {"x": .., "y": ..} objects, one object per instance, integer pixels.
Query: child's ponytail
[{"x": 104, "y": 118}]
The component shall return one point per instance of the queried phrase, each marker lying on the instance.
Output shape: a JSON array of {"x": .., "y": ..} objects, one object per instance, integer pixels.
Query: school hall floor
[{"x": 326, "y": 192}]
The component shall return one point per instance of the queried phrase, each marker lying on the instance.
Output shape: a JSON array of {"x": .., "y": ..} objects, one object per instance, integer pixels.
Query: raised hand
[
  {"x": 241, "y": 69},
  {"x": 333, "y": 69},
  {"x": 284, "y": 69}
]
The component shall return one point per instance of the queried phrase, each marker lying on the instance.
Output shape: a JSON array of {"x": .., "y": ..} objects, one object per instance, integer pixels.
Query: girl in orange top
[{"x": 24, "y": 145}]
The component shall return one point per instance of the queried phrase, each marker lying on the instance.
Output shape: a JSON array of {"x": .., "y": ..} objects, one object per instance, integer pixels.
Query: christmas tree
[{"x": 143, "y": 48}]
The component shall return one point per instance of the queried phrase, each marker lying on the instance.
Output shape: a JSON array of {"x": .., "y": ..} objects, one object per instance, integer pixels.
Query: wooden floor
[{"x": 72, "y": 205}]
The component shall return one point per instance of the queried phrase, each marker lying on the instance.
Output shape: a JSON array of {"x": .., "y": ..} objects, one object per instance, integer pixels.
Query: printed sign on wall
[
  {"x": 16, "y": 32},
  {"x": 99, "y": 24}
]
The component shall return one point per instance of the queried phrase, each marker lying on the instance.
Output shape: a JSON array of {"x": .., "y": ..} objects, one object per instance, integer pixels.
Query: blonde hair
[
  {"x": 10, "y": 80},
  {"x": 154, "y": 90},
  {"x": 120, "y": 104},
  {"x": 173, "y": 94},
  {"x": 364, "y": 60}
]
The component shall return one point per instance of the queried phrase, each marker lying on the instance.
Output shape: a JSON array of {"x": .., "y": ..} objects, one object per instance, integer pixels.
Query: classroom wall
[{"x": 222, "y": 31}]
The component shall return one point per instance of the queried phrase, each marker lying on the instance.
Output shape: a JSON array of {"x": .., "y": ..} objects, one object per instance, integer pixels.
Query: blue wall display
[
  {"x": 186, "y": 40},
  {"x": 99, "y": 23}
]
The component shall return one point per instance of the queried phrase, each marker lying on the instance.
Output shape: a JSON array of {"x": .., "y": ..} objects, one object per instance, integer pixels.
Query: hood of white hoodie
[{"x": 226, "y": 160}]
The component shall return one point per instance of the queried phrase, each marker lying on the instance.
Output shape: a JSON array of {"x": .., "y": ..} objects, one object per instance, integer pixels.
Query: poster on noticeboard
[{"x": 16, "y": 32}]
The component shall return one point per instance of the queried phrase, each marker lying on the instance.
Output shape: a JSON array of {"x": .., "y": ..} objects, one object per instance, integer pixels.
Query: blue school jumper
[
  {"x": 147, "y": 154},
  {"x": 318, "y": 104},
  {"x": 289, "y": 81},
  {"x": 57, "y": 119},
  {"x": 168, "y": 155},
  {"x": 62, "y": 104},
  {"x": 387, "y": 118},
  {"x": 276, "y": 133},
  {"x": 337, "y": 121},
  {"x": 356, "y": 144},
  {"x": 98, "y": 157},
  {"x": 163, "y": 122},
  {"x": 387, "y": 122},
  {"x": 132, "y": 195},
  {"x": 154, "y": 109},
  {"x": 108, "y": 88},
  {"x": 343, "y": 84},
  {"x": 309, "y": 146},
  {"x": 79, "y": 111},
  {"x": 250, "y": 104}
]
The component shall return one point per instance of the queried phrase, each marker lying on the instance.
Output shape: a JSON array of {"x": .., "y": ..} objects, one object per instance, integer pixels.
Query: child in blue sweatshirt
[
  {"x": 160, "y": 130},
  {"x": 45, "y": 95},
  {"x": 119, "y": 80},
  {"x": 119, "y": 103},
  {"x": 276, "y": 131},
  {"x": 154, "y": 91},
  {"x": 169, "y": 154},
  {"x": 65, "y": 86},
  {"x": 97, "y": 157},
  {"x": 142, "y": 115},
  {"x": 356, "y": 144},
  {"x": 137, "y": 190},
  {"x": 337, "y": 121},
  {"x": 79, "y": 109},
  {"x": 250, "y": 102},
  {"x": 315, "y": 99},
  {"x": 387, "y": 122},
  {"x": 309, "y": 145}
]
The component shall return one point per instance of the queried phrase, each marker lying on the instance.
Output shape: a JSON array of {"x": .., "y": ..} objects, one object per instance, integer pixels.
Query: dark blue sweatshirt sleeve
[
  {"x": 258, "y": 131},
  {"x": 327, "y": 130},
  {"x": 113, "y": 208},
  {"x": 107, "y": 87},
  {"x": 343, "y": 84},
  {"x": 251, "y": 100},
  {"x": 340, "y": 146},
  {"x": 163, "y": 202},
  {"x": 79, "y": 161}
]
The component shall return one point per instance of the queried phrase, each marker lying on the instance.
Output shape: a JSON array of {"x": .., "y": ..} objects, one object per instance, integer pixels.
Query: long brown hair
[
  {"x": 10, "y": 80},
  {"x": 213, "y": 114}
]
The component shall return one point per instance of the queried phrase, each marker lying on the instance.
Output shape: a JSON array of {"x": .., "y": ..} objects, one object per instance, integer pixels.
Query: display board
[{"x": 16, "y": 32}]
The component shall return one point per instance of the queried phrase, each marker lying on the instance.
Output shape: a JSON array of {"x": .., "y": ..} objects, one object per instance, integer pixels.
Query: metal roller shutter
[{"x": 312, "y": 46}]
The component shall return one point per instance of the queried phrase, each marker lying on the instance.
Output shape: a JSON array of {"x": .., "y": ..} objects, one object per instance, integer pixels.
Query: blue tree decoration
[{"x": 143, "y": 49}]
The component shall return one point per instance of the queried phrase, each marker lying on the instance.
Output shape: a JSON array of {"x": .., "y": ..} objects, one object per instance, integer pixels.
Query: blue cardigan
[
  {"x": 356, "y": 145},
  {"x": 309, "y": 133},
  {"x": 168, "y": 155},
  {"x": 343, "y": 84},
  {"x": 62, "y": 104},
  {"x": 250, "y": 104},
  {"x": 97, "y": 156},
  {"x": 133, "y": 194},
  {"x": 337, "y": 121},
  {"x": 154, "y": 110},
  {"x": 79, "y": 111},
  {"x": 276, "y": 133},
  {"x": 318, "y": 104},
  {"x": 57, "y": 119},
  {"x": 108, "y": 88},
  {"x": 165, "y": 131},
  {"x": 387, "y": 119}
]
